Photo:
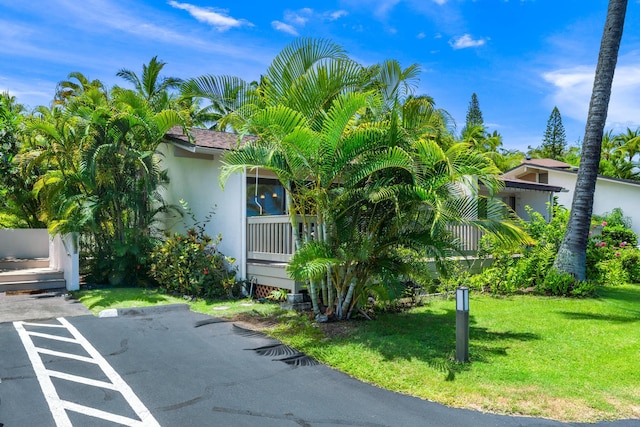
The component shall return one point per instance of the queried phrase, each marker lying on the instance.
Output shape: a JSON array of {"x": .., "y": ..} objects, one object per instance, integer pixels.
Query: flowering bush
[
  {"x": 612, "y": 258},
  {"x": 191, "y": 264},
  {"x": 612, "y": 255}
]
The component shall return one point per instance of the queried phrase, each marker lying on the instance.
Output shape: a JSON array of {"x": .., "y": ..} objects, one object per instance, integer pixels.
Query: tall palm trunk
[{"x": 572, "y": 253}]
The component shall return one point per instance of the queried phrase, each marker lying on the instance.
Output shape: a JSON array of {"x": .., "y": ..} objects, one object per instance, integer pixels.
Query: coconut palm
[
  {"x": 572, "y": 253},
  {"x": 150, "y": 85},
  {"x": 76, "y": 85}
]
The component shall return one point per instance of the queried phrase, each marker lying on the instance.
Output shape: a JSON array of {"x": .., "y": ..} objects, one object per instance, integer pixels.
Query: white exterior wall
[
  {"x": 24, "y": 243},
  {"x": 608, "y": 196},
  {"x": 195, "y": 180},
  {"x": 537, "y": 200}
]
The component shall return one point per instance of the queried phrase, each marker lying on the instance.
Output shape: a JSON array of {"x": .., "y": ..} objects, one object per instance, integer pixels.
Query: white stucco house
[
  {"x": 610, "y": 192},
  {"x": 250, "y": 212}
]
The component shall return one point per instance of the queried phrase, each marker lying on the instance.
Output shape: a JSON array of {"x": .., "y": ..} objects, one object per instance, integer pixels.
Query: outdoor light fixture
[
  {"x": 274, "y": 195},
  {"x": 262, "y": 196},
  {"x": 462, "y": 299},
  {"x": 462, "y": 324}
]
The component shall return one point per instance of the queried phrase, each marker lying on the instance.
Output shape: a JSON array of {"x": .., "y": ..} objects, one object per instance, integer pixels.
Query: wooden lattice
[{"x": 262, "y": 291}]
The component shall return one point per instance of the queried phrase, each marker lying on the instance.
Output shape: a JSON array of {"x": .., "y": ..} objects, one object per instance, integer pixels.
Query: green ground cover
[{"x": 566, "y": 359}]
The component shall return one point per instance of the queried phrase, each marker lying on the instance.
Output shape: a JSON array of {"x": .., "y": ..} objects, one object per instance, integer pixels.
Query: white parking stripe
[
  {"x": 50, "y": 394},
  {"x": 52, "y": 337},
  {"x": 80, "y": 380},
  {"x": 58, "y": 406},
  {"x": 123, "y": 387},
  {"x": 65, "y": 355},
  {"x": 97, "y": 413},
  {"x": 43, "y": 325}
]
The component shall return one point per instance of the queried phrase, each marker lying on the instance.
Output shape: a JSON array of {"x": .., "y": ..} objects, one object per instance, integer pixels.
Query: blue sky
[{"x": 521, "y": 57}]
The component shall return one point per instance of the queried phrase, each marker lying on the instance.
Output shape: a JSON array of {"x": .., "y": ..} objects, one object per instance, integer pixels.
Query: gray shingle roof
[{"x": 205, "y": 138}]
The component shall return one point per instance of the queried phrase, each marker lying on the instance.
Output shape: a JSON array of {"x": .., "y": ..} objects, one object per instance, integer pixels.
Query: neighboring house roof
[
  {"x": 204, "y": 139},
  {"x": 549, "y": 163},
  {"x": 528, "y": 185},
  {"x": 540, "y": 164}
]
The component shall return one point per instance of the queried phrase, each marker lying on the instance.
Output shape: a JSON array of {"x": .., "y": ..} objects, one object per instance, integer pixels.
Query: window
[
  {"x": 269, "y": 199},
  {"x": 543, "y": 178}
]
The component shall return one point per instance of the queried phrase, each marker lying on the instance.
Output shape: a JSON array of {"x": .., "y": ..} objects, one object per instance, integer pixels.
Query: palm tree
[
  {"x": 629, "y": 144},
  {"x": 223, "y": 95},
  {"x": 370, "y": 162},
  {"x": 76, "y": 85},
  {"x": 150, "y": 85},
  {"x": 572, "y": 253},
  {"x": 100, "y": 173}
]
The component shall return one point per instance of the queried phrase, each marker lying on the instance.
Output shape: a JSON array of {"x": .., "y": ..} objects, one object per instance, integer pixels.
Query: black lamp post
[{"x": 462, "y": 324}]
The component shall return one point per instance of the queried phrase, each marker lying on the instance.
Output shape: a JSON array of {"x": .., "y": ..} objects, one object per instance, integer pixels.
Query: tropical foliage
[
  {"x": 370, "y": 169},
  {"x": 375, "y": 174},
  {"x": 17, "y": 203},
  {"x": 191, "y": 264},
  {"x": 612, "y": 258}
]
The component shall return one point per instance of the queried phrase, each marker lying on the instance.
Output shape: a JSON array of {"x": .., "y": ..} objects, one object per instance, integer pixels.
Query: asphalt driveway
[{"x": 194, "y": 370}]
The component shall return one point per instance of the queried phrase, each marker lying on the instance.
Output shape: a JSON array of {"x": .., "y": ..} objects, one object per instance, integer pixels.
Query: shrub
[
  {"x": 612, "y": 258},
  {"x": 614, "y": 235},
  {"x": 191, "y": 264},
  {"x": 557, "y": 283},
  {"x": 630, "y": 259}
]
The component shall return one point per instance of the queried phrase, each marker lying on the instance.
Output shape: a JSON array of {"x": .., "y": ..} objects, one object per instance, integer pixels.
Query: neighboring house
[
  {"x": 519, "y": 193},
  {"x": 250, "y": 212},
  {"x": 610, "y": 192}
]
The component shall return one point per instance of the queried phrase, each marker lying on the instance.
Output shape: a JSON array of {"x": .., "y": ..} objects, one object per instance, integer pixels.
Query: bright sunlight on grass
[{"x": 566, "y": 359}]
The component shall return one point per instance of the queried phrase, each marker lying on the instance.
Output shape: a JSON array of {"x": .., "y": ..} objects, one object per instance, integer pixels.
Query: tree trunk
[{"x": 572, "y": 253}]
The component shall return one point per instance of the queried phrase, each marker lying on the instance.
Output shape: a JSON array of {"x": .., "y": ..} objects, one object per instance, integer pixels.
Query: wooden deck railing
[
  {"x": 468, "y": 236},
  {"x": 270, "y": 237}
]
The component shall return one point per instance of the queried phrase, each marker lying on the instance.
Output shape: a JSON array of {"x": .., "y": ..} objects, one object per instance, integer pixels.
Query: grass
[
  {"x": 116, "y": 297},
  {"x": 566, "y": 359}
]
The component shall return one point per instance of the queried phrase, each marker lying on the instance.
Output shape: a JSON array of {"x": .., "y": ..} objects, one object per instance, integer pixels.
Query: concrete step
[
  {"x": 19, "y": 264},
  {"x": 30, "y": 274},
  {"x": 31, "y": 279},
  {"x": 32, "y": 285}
]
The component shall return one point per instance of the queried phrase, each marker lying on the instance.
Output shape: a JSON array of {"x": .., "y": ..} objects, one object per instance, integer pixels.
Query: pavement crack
[{"x": 189, "y": 402}]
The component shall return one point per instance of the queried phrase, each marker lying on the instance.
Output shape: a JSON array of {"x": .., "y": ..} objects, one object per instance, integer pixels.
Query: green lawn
[{"x": 567, "y": 359}]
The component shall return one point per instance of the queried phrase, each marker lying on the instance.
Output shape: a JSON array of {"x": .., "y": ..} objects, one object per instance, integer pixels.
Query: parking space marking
[{"x": 58, "y": 406}]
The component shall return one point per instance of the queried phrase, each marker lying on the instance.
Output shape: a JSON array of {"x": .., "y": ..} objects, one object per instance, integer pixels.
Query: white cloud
[
  {"x": 572, "y": 93},
  {"x": 293, "y": 20},
  {"x": 285, "y": 28},
  {"x": 337, "y": 14},
  {"x": 298, "y": 18},
  {"x": 217, "y": 18},
  {"x": 30, "y": 93},
  {"x": 421, "y": 35},
  {"x": 440, "y": 2},
  {"x": 466, "y": 41},
  {"x": 385, "y": 7}
]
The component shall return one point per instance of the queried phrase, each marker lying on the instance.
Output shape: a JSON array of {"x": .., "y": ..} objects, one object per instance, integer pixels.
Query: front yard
[{"x": 566, "y": 359}]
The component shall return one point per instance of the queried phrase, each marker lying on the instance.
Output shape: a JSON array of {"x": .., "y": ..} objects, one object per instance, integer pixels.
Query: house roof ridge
[{"x": 206, "y": 138}]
